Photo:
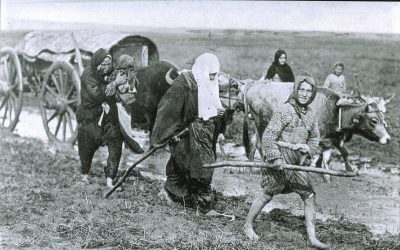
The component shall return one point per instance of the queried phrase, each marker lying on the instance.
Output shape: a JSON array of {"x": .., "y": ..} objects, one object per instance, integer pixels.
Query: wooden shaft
[
  {"x": 78, "y": 55},
  {"x": 128, "y": 171},
  {"x": 284, "y": 166}
]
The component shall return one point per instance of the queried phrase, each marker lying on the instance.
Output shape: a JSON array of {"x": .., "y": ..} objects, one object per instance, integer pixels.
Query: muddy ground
[{"x": 43, "y": 205}]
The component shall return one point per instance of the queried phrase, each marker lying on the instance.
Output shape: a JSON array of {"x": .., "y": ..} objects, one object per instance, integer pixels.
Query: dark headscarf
[
  {"x": 284, "y": 71},
  {"x": 98, "y": 57},
  {"x": 293, "y": 99}
]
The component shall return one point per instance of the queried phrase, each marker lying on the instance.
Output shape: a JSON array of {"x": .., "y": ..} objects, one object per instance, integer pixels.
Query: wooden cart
[{"x": 49, "y": 64}]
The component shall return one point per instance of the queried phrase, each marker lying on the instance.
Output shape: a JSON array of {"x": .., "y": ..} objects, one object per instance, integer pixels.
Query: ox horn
[
  {"x": 389, "y": 99},
  {"x": 171, "y": 63},
  {"x": 168, "y": 77},
  {"x": 174, "y": 66}
]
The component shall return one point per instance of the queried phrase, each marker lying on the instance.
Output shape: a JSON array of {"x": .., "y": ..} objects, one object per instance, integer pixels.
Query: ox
[
  {"x": 364, "y": 118},
  {"x": 154, "y": 81},
  {"x": 152, "y": 85}
]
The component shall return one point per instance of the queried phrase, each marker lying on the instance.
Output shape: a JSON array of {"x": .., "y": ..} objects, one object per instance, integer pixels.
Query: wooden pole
[
  {"x": 284, "y": 166},
  {"x": 358, "y": 85},
  {"x": 128, "y": 171},
  {"x": 229, "y": 92},
  {"x": 78, "y": 55}
]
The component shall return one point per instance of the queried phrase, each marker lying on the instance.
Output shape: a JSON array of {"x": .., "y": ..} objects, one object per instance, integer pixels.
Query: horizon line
[{"x": 185, "y": 28}]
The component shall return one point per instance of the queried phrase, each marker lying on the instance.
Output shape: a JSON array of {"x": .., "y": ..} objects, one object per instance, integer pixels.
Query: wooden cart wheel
[
  {"x": 59, "y": 100},
  {"x": 10, "y": 88}
]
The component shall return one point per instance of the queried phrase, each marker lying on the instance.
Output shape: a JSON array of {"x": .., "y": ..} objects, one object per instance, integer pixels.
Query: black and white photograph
[{"x": 199, "y": 124}]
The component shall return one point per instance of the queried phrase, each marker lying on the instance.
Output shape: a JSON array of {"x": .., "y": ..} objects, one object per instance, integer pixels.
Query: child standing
[
  {"x": 337, "y": 83},
  {"x": 336, "y": 80}
]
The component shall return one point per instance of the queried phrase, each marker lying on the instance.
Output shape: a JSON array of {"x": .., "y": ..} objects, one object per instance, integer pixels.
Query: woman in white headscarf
[{"x": 192, "y": 102}]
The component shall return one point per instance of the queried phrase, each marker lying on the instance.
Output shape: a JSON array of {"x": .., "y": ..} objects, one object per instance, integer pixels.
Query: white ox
[{"x": 365, "y": 118}]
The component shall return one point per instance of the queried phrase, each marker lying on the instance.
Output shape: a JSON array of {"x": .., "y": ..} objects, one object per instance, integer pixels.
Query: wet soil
[{"x": 43, "y": 205}]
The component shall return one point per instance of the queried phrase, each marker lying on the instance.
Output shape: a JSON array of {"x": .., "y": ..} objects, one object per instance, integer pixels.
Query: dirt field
[{"x": 43, "y": 205}]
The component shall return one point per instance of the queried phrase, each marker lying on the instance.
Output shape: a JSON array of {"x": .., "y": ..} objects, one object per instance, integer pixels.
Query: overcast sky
[{"x": 373, "y": 17}]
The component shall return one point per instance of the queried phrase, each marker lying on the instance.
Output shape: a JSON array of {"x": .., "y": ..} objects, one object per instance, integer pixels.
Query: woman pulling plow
[{"x": 291, "y": 137}]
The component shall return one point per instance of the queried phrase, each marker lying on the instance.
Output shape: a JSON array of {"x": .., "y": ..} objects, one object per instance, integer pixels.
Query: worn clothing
[
  {"x": 124, "y": 93},
  {"x": 91, "y": 137},
  {"x": 290, "y": 126},
  {"x": 279, "y": 73},
  {"x": 336, "y": 83},
  {"x": 95, "y": 126},
  {"x": 177, "y": 110},
  {"x": 279, "y": 182},
  {"x": 185, "y": 174}
]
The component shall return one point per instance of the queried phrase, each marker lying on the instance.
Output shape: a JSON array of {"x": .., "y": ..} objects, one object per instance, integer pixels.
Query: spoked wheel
[
  {"x": 59, "y": 100},
  {"x": 10, "y": 88}
]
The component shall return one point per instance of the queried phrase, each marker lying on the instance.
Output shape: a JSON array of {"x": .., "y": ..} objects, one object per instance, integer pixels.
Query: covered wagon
[{"x": 49, "y": 64}]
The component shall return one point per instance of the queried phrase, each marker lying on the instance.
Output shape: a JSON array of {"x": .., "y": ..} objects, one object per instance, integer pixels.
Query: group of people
[
  {"x": 280, "y": 71},
  {"x": 193, "y": 103}
]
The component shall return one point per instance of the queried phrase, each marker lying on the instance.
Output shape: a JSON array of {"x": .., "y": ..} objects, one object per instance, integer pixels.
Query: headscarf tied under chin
[
  {"x": 294, "y": 97},
  {"x": 208, "y": 91},
  {"x": 98, "y": 57}
]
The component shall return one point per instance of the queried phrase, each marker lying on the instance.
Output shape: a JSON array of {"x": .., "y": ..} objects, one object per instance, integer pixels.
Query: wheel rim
[
  {"x": 59, "y": 101},
  {"x": 10, "y": 89}
]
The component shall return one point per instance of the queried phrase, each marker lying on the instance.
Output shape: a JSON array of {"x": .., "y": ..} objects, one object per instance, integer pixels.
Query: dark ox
[
  {"x": 150, "y": 89},
  {"x": 364, "y": 118},
  {"x": 154, "y": 81}
]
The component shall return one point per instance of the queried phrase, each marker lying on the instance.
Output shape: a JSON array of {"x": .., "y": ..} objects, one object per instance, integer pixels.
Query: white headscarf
[{"x": 208, "y": 91}]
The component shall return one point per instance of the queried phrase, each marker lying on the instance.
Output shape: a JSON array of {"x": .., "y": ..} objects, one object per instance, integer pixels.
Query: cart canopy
[{"x": 54, "y": 46}]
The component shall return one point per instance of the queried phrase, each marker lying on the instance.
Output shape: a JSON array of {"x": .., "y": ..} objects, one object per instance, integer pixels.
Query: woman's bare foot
[
  {"x": 111, "y": 186},
  {"x": 163, "y": 195},
  {"x": 249, "y": 231},
  {"x": 318, "y": 244}
]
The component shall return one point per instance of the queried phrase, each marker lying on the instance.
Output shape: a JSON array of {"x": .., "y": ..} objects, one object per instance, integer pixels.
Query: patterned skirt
[{"x": 185, "y": 174}]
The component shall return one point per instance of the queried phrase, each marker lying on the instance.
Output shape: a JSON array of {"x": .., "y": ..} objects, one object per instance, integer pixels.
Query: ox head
[
  {"x": 371, "y": 124},
  {"x": 225, "y": 81},
  {"x": 379, "y": 101}
]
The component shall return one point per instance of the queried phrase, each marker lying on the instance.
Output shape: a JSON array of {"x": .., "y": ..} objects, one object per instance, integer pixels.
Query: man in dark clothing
[
  {"x": 191, "y": 102},
  {"x": 97, "y": 116}
]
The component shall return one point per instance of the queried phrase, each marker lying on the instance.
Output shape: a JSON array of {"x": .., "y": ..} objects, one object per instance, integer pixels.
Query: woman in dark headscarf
[
  {"x": 97, "y": 116},
  {"x": 279, "y": 71}
]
